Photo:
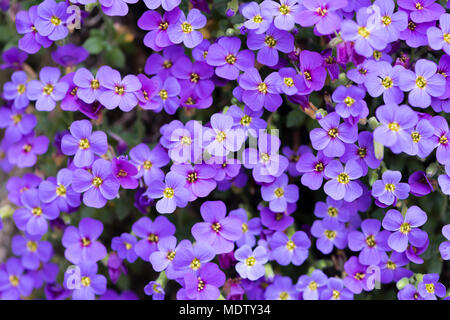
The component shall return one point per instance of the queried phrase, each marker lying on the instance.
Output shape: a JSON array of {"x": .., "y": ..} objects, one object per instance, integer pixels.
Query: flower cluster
[{"x": 220, "y": 196}]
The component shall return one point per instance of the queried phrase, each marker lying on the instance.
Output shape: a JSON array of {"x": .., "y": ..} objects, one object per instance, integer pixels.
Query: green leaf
[
  {"x": 115, "y": 57},
  {"x": 94, "y": 45},
  {"x": 295, "y": 118}
]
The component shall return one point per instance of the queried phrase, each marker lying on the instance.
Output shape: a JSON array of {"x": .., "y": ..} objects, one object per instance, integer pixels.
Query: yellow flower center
[
  {"x": 85, "y": 242},
  {"x": 370, "y": 241},
  {"x": 27, "y": 148},
  {"x": 360, "y": 276},
  {"x": 290, "y": 245},
  {"x": 128, "y": 246},
  {"x": 343, "y": 178},
  {"x": 244, "y": 227},
  {"x": 330, "y": 234},
  {"x": 332, "y": 212},
  {"x": 257, "y": 19},
  {"x": 83, "y": 144},
  {"x": 61, "y": 190},
  {"x": 195, "y": 264},
  {"x": 250, "y": 261},
  {"x": 319, "y": 167},
  {"x": 86, "y": 281},
  {"x": 167, "y": 64},
  {"x": 16, "y": 118},
  {"x": 55, "y": 21},
  {"x": 245, "y": 121},
  {"x": 430, "y": 287},
  {"x": 221, "y": 136},
  {"x": 37, "y": 212},
  {"x": 333, "y": 132},
  {"x": 216, "y": 227},
  {"x": 147, "y": 165},
  {"x": 390, "y": 187},
  {"x": 443, "y": 140},
  {"x": 153, "y": 238},
  {"x": 168, "y": 193},
  {"x": 279, "y": 216},
  {"x": 447, "y": 37},
  {"x": 419, "y": 6},
  {"x": 387, "y": 82},
  {"x": 284, "y": 9},
  {"x": 421, "y": 82},
  {"x": 377, "y": 55},
  {"x": 163, "y": 26},
  {"x": 363, "y": 32},
  {"x": 185, "y": 140},
  {"x": 391, "y": 265},
  {"x": 21, "y": 88},
  {"x": 289, "y": 82},
  {"x": 262, "y": 87},
  {"x": 192, "y": 177},
  {"x": 312, "y": 286},
  {"x": 349, "y": 101},
  {"x": 405, "y": 228},
  {"x": 411, "y": 26},
  {"x": 186, "y": 27},
  {"x": 321, "y": 11},
  {"x": 122, "y": 173},
  {"x": 171, "y": 255},
  {"x": 394, "y": 126},
  {"x": 120, "y": 90},
  {"x": 163, "y": 94},
  {"x": 32, "y": 246},
  {"x": 14, "y": 280},
  {"x": 270, "y": 41},
  {"x": 97, "y": 182},
  {"x": 48, "y": 89},
  {"x": 230, "y": 59},
  {"x": 201, "y": 284},
  {"x": 336, "y": 294},
  {"x": 307, "y": 75},
  {"x": 279, "y": 192},
  {"x": 284, "y": 295},
  {"x": 194, "y": 77},
  {"x": 362, "y": 152},
  {"x": 386, "y": 20},
  {"x": 264, "y": 157}
]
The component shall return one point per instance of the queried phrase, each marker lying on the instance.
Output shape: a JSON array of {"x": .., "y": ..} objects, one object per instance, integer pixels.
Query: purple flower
[
  {"x": 341, "y": 185},
  {"x": 423, "y": 84},
  {"x": 389, "y": 189},
  {"x": 415, "y": 34},
  {"x": 183, "y": 141},
  {"x": 194, "y": 77},
  {"x": 320, "y": 14},
  {"x": 421, "y": 142},
  {"x": 333, "y": 209},
  {"x": 283, "y": 12},
  {"x": 269, "y": 43},
  {"x": 277, "y": 221},
  {"x": 287, "y": 250},
  {"x": 371, "y": 242},
  {"x": 166, "y": 97},
  {"x": 89, "y": 87},
  {"x": 154, "y": 290},
  {"x": 430, "y": 287},
  {"x": 205, "y": 285},
  {"x": 125, "y": 172},
  {"x": 218, "y": 231},
  {"x": 335, "y": 290},
  {"x": 98, "y": 185},
  {"x": 116, "y": 7},
  {"x": 32, "y": 251},
  {"x": 441, "y": 139},
  {"x": 222, "y": 138},
  {"x": 257, "y": 93},
  {"x": 350, "y": 102},
  {"x": 279, "y": 193},
  {"x": 16, "y": 186},
  {"x": 16, "y": 90},
  {"x": 47, "y": 91},
  {"x": 185, "y": 30},
  {"x": 70, "y": 55},
  {"x": 356, "y": 279},
  {"x": 419, "y": 184},
  {"x": 162, "y": 258},
  {"x": 172, "y": 192},
  {"x": 366, "y": 36},
  {"x": 405, "y": 229},
  {"x": 83, "y": 143},
  {"x": 250, "y": 228},
  {"x": 444, "y": 247},
  {"x": 392, "y": 22},
  {"x": 364, "y": 154},
  {"x": 329, "y": 233},
  {"x": 409, "y": 292},
  {"x": 149, "y": 162},
  {"x": 32, "y": 41},
  {"x": 118, "y": 92},
  {"x": 162, "y": 65},
  {"x": 385, "y": 80},
  {"x": 251, "y": 262},
  {"x": 281, "y": 289},
  {"x": 190, "y": 258},
  {"x": 257, "y": 19},
  {"x": 395, "y": 121},
  {"x": 167, "y": 5},
  {"x": 91, "y": 283},
  {"x": 309, "y": 285},
  {"x": 312, "y": 70},
  {"x": 59, "y": 191},
  {"x": 158, "y": 37},
  {"x": 227, "y": 59},
  {"x": 17, "y": 123},
  {"x": 124, "y": 245},
  {"x": 13, "y": 283},
  {"x": 23, "y": 153},
  {"x": 391, "y": 267},
  {"x": 312, "y": 168},
  {"x": 333, "y": 136},
  {"x": 151, "y": 233},
  {"x": 363, "y": 71},
  {"x": 422, "y": 10},
  {"x": 52, "y": 20},
  {"x": 81, "y": 243},
  {"x": 266, "y": 163}
]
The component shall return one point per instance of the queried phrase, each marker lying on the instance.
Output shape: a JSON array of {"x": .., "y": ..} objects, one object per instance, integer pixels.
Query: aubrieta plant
[{"x": 275, "y": 149}]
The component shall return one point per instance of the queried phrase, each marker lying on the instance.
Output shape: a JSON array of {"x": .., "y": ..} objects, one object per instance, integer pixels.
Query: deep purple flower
[
  {"x": 81, "y": 243},
  {"x": 269, "y": 43},
  {"x": 69, "y": 55},
  {"x": 149, "y": 162},
  {"x": 33, "y": 217},
  {"x": 415, "y": 35},
  {"x": 125, "y": 172},
  {"x": 309, "y": 285},
  {"x": 218, "y": 231},
  {"x": 13, "y": 283},
  {"x": 321, "y": 15},
  {"x": 172, "y": 192},
  {"x": 371, "y": 242},
  {"x": 32, "y": 41},
  {"x": 16, "y": 186},
  {"x": 155, "y": 290},
  {"x": 277, "y": 221},
  {"x": 151, "y": 233},
  {"x": 441, "y": 139},
  {"x": 83, "y": 143},
  {"x": 423, "y": 84},
  {"x": 364, "y": 154},
  {"x": 23, "y": 154},
  {"x": 389, "y": 189},
  {"x": 279, "y": 193},
  {"x": 422, "y": 10},
  {"x": 312, "y": 168},
  {"x": 329, "y": 233},
  {"x": 199, "y": 179},
  {"x": 16, "y": 90},
  {"x": 405, "y": 229},
  {"x": 251, "y": 262},
  {"x": 185, "y": 30},
  {"x": 157, "y": 38},
  {"x": 363, "y": 71},
  {"x": 356, "y": 279},
  {"x": 162, "y": 65},
  {"x": 59, "y": 191},
  {"x": 391, "y": 267},
  {"x": 166, "y": 97},
  {"x": 90, "y": 283},
  {"x": 409, "y": 292},
  {"x": 194, "y": 77},
  {"x": 419, "y": 184},
  {"x": 124, "y": 245},
  {"x": 47, "y": 91},
  {"x": 205, "y": 285},
  {"x": 98, "y": 185}
]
